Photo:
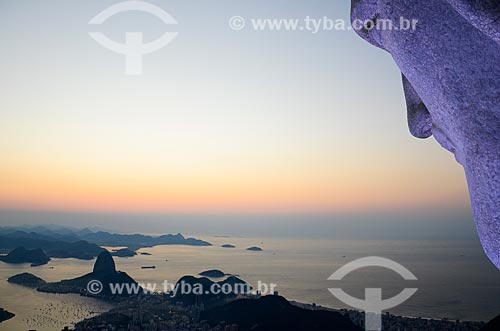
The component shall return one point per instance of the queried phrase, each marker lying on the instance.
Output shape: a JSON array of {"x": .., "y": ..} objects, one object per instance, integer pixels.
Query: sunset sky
[{"x": 220, "y": 121}]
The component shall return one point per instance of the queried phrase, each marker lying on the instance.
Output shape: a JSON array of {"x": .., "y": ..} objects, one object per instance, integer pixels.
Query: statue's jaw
[{"x": 485, "y": 201}]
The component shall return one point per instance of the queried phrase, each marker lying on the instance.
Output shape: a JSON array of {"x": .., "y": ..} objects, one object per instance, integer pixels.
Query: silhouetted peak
[{"x": 104, "y": 263}]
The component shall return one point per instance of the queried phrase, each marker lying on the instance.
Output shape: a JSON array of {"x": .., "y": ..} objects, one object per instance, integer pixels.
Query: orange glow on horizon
[{"x": 226, "y": 190}]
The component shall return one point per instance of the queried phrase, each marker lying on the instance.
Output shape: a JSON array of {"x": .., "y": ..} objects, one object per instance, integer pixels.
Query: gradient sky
[{"x": 220, "y": 121}]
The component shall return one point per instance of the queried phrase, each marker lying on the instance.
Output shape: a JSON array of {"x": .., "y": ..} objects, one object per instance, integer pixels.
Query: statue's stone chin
[{"x": 451, "y": 78}]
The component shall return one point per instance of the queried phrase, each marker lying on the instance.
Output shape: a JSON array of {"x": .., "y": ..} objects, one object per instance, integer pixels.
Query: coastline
[
  {"x": 192, "y": 312},
  {"x": 184, "y": 260},
  {"x": 388, "y": 319}
]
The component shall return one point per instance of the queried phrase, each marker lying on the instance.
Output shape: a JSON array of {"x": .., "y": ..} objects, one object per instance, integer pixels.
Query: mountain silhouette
[{"x": 275, "y": 313}]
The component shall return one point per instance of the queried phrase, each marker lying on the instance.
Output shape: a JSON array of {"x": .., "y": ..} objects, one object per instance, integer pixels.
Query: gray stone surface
[{"x": 451, "y": 76}]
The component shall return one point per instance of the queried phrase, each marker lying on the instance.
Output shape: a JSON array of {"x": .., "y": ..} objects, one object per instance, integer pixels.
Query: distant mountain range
[
  {"x": 136, "y": 241},
  {"x": 61, "y": 242}
]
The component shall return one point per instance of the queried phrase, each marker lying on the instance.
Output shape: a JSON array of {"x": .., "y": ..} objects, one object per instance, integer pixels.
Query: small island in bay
[
  {"x": 22, "y": 255},
  {"x": 228, "y": 246},
  {"x": 124, "y": 252},
  {"x": 214, "y": 273},
  {"x": 5, "y": 315},
  {"x": 254, "y": 249},
  {"x": 26, "y": 279}
]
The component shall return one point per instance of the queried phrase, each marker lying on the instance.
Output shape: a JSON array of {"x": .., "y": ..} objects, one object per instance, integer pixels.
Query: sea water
[{"x": 455, "y": 279}]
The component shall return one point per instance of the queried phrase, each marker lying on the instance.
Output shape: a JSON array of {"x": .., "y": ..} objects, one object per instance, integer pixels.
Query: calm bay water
[
  {"x": 44, "y": 311},
  {"x": 455, "y": 280}
]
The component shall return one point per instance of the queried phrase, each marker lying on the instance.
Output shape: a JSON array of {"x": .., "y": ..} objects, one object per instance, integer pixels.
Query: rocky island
[
  {"x": 124, "y": 252},
  {"x": 254, "y": 249},
  {"x": 26, "y": 279},
  {"x": 5, "y": 315},
  {"x": 23, "y": 255},
  {"x": 214, "y": 273}
]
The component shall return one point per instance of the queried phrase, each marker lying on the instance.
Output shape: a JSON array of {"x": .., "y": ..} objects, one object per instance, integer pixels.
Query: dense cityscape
[{"x": 155, "y": 313}]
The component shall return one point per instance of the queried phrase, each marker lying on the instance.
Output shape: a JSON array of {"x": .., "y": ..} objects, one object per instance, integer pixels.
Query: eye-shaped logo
[
  {"x": 373, "y": 305},
  {"x": 134, "y": 48}
]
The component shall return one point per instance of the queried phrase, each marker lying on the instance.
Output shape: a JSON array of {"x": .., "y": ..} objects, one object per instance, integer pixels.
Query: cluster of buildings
[
  {"x": 400, "y": 323},
  {"x": 154, "y": 313},
  {"x": 151, "y": 313}
]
